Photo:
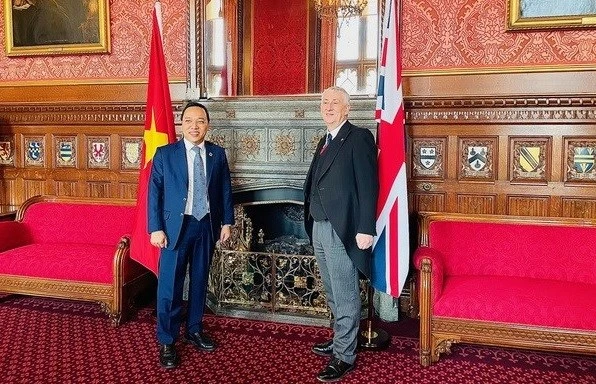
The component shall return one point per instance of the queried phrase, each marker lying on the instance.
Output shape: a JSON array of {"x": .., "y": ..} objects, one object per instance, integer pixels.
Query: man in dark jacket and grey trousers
[{"x": 340, "y": 193}]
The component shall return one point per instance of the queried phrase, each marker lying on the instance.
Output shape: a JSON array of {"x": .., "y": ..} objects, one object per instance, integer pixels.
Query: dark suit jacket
[
  {"x": 168, "y": 187},
  {"x": 348, "y": 186}
]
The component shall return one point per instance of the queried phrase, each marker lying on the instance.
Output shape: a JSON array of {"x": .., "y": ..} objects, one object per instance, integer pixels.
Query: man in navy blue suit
[{"x": 189, "y": 208}]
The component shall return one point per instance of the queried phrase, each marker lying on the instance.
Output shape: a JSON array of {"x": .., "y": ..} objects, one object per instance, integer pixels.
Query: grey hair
[{"x": 340, "y": 90}]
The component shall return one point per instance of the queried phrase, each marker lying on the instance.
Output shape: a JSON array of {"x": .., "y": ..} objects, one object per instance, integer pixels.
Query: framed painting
[
  {"x": 546, "y": 14},
  {"x": 54, "y": 27}
]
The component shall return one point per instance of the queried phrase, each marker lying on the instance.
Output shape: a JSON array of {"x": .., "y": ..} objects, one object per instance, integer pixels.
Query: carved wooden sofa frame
[
  {"x": 439, "y": 333},
  {"x": 115, "y": 298}
]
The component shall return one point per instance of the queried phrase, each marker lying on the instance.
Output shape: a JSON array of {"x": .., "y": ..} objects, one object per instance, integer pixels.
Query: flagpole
[
  {"x": 376, "y": 338},
  {"x": 372, "y": 338}
]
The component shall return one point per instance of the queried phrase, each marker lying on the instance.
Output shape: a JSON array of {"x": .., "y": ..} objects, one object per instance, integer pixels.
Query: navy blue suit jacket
[{"x": 168, "y": 187}]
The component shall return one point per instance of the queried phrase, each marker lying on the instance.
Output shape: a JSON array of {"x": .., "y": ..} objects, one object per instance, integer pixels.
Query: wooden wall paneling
[
  {"x": 554, "y": 206},
  {"x": 553, "y": 126},
  {"x": 65, "y": 188},
  {"x": 448, "y": 113},
  {"x": 578, "y": 159},
  {"x": 557, "y": 164},
  {"x": 67, "y": 133},
  {"x": 476, "y": 204},
  {"x": 428, "y": 158},
  {"x": 128, "y": 190},
  {"x": 528, "y": 205},
  {"x": 503, "y": 145},
  {"x": 530, "y": 159},
  {"x": 33, "y": 186},
  {"x": 531, "y": 89},
  {"x": 478, "y": 158},
  {"x": 429, "y": 202},
  {"x": 98, "y": 189},
  {"x": 106, "y": 93},
  {"x": 574, "y": 207},
  {"x": 452, "y": 157},
  {"x": 7, "y": 195}
]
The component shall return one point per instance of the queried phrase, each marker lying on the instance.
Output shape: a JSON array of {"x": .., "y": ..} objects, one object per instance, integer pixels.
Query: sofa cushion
[
  {"x": 516, "y": 250},
  {"x": 539, "y": 302},
  {"x": 73, "y": 262},
  {"x": 61, "y": 222}
]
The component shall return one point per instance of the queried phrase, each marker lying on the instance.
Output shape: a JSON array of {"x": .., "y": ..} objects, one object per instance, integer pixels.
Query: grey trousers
[{"x": 340, "y": 280}]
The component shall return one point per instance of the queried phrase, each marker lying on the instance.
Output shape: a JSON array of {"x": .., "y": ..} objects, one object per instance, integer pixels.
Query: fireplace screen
[{"x": 268, "y": 270}]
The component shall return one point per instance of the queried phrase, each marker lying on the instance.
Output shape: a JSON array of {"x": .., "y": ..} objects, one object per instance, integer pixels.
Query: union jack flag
[{"x": 391, "y": 251}]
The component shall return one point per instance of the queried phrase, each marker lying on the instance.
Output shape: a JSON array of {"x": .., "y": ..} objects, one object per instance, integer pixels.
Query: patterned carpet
[{"x": 55, "y": 341}]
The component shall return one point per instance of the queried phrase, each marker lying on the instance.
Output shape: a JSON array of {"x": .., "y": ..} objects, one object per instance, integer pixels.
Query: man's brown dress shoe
[
  {"x": 168, "y": 358},
  {"x": 323, "y": 349},
  {"x": 335, "y": 370},
  {"x": 201, "y": 340}
]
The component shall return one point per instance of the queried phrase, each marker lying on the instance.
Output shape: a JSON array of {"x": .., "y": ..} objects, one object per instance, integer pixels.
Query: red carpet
[{"x": 54, "y": 341}]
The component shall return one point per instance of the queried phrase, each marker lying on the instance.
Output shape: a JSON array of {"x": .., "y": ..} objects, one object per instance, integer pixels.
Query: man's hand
[
  {"x": 159, "y": 239},
  {"x": 225, "y": 233},
  {"x": 364, "y": 241}
]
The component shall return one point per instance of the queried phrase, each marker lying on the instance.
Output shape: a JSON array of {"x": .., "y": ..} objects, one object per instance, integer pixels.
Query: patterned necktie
[
  {"x": 199, "y": 186},
  {"x": 327, "y": 142}
]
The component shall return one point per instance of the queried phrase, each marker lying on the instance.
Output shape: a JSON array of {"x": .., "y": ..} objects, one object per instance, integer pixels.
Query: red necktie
[{"x": 327, "y": 141}]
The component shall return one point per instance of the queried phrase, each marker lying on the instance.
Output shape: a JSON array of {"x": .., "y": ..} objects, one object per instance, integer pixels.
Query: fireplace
[{"x": 268, "y": 270}]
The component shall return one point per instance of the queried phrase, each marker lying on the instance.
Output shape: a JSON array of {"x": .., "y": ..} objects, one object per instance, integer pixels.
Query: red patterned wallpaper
[
  {"x": 130, "y": 24},
  {"x": 280, "y": 44},
  {"x": 464, "y": 34},
  {"x": 438, "y": 35}
]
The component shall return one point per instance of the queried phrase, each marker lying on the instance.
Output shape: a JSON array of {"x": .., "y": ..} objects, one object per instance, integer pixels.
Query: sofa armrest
[
  {"x": 13, "y": 234},
  {"x": 435, "y": 258}
]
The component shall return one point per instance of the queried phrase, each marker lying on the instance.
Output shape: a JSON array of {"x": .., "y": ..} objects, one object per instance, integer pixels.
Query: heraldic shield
[
  {"x": 66, "y": 152},
  {"x": 428, "y": 156},
  {"x": 5, "y": 151},
  {"x": 583, "y": 159},
  {"x": 529, "y": 158},
  {"x": 99, "y": 151},
  {"x": 477, "y": 157}
]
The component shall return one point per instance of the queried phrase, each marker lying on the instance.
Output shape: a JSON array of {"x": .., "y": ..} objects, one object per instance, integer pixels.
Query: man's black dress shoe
[
  {"x": 168, "y": 358},
  {"x": 201, "y": 340},
  {"x": 323, "y": 349},
  {"x": 335, "y": 370}
]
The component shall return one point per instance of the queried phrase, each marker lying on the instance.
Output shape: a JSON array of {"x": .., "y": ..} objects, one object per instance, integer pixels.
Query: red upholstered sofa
[
  {"x": 521, "y": 282},
  {"x": 75, "y": 249}
]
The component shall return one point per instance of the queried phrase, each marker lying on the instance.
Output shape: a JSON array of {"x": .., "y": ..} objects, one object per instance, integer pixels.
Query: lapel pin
[{"x": 210, "y": 154}]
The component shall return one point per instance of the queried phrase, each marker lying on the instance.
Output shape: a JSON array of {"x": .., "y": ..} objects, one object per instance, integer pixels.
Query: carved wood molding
[
  {"x": 500, "y": 102},
  {"x": 57, "y": 288},
  {"x": 503, "y": 115},
  {"x": 514, "y": 109},
  {"x": 514, "y": 335},
  {"x": 72, "y": 114}
]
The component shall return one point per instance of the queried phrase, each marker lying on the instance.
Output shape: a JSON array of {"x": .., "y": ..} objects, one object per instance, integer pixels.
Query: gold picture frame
[
  {"x": 56, "y": 27},
  {"x": 547, "y": 14}
]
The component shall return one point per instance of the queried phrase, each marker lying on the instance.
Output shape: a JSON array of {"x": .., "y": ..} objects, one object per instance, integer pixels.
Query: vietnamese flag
[{"x": 159, "y": 130}]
